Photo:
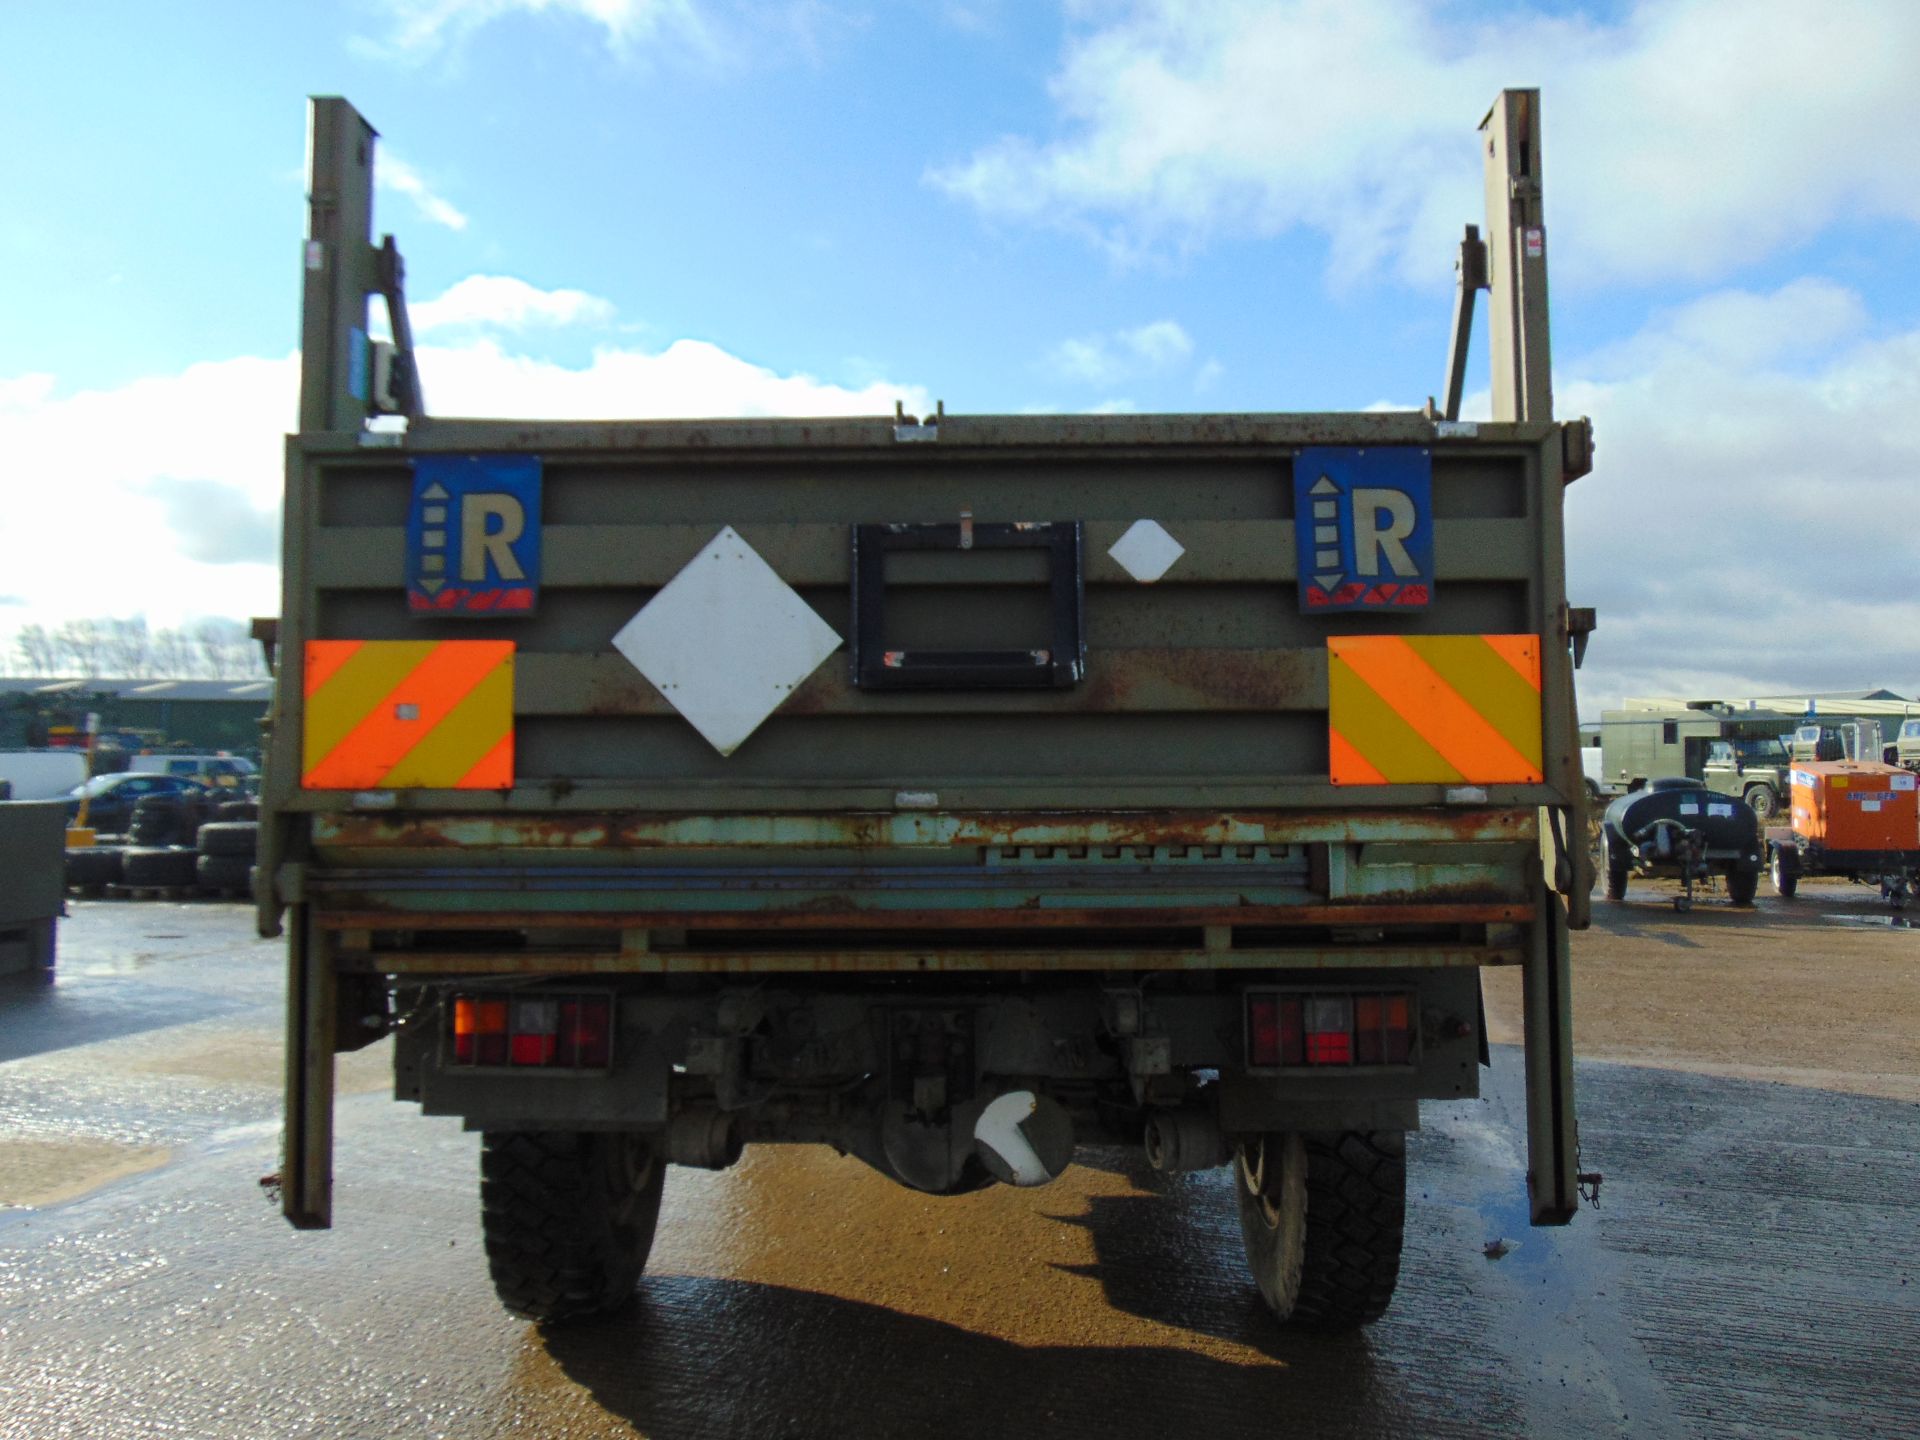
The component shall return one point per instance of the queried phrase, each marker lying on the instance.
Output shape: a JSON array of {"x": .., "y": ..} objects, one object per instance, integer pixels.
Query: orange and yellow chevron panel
[
  {"x": 408, "y": 714},
  {"x": 1433, "y": 709}
]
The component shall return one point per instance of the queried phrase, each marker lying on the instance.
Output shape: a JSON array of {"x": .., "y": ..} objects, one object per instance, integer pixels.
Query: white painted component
[
  {"x": 1146, "y": 551},
  {"x": 998, "y": 1128},
  {"x": 726, "y": 641}
]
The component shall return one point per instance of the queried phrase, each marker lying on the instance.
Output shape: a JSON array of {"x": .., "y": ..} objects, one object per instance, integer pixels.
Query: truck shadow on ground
[{"x": 700, "y": 1357}]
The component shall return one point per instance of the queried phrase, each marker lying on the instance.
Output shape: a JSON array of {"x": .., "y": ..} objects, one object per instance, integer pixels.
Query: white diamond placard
[
  {"x": 726, "y": 641},
  {"x": 1146, "y": 551}
]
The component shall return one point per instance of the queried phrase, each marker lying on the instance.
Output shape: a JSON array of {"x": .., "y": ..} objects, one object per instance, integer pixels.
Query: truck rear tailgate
[{"x": 1176, "y": 776}]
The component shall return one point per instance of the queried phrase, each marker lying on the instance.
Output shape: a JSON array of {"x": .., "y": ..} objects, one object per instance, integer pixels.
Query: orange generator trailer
[{"x": 1854, "y": 818}]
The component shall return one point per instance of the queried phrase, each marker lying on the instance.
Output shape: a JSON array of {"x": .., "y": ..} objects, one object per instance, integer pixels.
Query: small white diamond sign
[
  {"x": 726, "y": 641},
  {"x": 1146, "y": 551}
]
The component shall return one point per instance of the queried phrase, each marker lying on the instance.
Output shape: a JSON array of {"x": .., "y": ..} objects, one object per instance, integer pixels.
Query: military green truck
[
  {"x": 1739, "y": 752},
  {"x": 950, "y": 790},
  {"x": 1906, "y": 745}
]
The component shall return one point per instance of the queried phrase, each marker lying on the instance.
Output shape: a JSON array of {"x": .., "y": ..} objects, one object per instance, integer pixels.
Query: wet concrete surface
[{"x": 1751, "y": 1270}]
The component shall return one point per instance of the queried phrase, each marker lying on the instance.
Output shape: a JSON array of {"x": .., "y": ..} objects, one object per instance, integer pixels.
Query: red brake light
[
  {"x": 1366, "y": 1029},
  {"x": 1285, "y": 1030},
  {"x": 534, "y": 1032},
  {"x": 1397, "y": 1031},
  {"x": 1292, "y": 1047},
  {"x": 1263, "y": 1030},
  {"x": 586, "y": 1031}
]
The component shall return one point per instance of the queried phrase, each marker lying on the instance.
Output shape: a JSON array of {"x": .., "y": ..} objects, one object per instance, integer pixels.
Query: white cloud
[
  {"x": 159, "y": 496},
  {"x": 162, "y": 496},
  {"x": 505, "y": 303},
  {"x": 393, "y": 173},
  {"x": 1102, "y": 359},
  {"x": 424, "y": 27},
  {"x": 1749, "y": 522},
  {"x": 1798, "y": 323},
  {"x": 690, "y": 378},
  {"x": 24, "y": 392},
  {"x": 1683, "y": 138}
]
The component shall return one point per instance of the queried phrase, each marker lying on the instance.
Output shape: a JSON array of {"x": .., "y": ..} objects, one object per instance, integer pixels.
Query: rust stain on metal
[
  {"x": 361, "y": 911},
  {"x": 560, "y": 963},
  {"x": 863, "y": 830},
  {"x": 1219, "y": 679}
]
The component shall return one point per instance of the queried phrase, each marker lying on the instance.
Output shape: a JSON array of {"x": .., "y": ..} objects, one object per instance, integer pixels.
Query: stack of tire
[
  {"x": 92, "y": 868},
  {"x": 160, "y": 843},
  {"x": 226, "y": 845}
]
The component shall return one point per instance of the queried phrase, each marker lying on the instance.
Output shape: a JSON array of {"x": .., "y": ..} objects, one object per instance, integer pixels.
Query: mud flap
[
  {"x": 306, "y": 1157},
  {"x": 1552, "y": 1133}
]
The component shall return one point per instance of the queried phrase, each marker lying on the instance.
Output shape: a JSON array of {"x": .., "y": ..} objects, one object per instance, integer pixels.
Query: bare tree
[
  {"x": 169, "y": 655},
  {"x": 125, "y": 646},
  {"x": 79, "y": 642},
  {"x": 213, "y": 648},
  {"x": 39, "y": 652},
  {"x": 224, "y": 648}
]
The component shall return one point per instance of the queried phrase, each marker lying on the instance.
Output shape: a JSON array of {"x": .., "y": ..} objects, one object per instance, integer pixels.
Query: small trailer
[
  {"x": 1676, "y": 828},
  {"x": 1854, "y": 818}
]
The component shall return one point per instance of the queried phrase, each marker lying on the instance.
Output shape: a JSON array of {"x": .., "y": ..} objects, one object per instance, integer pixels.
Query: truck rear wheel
[
  {"x": 568, "y": 1218},
  {"x": 1323, "y": 1217},
  {"x": 1762, "y": 801},
  {"x": 1616, "y": 869}
]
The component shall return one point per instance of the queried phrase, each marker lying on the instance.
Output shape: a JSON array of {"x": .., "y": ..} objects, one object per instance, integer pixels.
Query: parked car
[
  {"x": 111, "y": 798},
  {"x": 222, "y": 770}
]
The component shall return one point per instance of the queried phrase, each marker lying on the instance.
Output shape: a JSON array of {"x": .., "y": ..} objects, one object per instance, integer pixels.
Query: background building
[{"x": 196, "y": 715}]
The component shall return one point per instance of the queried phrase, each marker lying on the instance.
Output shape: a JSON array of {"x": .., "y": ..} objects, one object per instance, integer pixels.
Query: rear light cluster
[
  {"x": 1341, "y": 1029},
  {"x": 550, "y": 1032}
]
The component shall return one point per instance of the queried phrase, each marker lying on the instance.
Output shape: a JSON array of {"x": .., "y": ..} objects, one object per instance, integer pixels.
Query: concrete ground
[{"x": 1749, "y": 1091}]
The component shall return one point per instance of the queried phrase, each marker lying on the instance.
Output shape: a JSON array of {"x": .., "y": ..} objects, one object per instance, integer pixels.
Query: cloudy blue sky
[{"x": 658, "y": 207}]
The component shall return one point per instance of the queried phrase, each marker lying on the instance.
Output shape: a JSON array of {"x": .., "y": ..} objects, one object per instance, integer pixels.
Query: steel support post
[
  {"x": 342, "y": 269},
  {"x": 1517, "y": 260},
  {"x": 306, "y": 1160},
  {"x": 1552, "y": 1131}
]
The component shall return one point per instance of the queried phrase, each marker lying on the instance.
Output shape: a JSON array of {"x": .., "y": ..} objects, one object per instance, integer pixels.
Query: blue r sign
[
  {"x": 473, "y": 535},
  {"x": 1363, "y": 527}
]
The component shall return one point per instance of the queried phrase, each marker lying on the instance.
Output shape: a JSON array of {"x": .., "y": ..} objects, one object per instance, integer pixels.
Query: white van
[
  {"x": 208, "y": 769},
  {"x": 42, "y": 774}
]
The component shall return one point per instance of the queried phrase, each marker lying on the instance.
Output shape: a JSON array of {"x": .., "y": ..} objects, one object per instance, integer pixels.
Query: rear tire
[
  {"x": 1786, "y": 879},
  {"x": 1762, "y": 801},
  {"x": 1616, "y": 869},
  {"x": 1741, "y": 885},
  {"x": 1323, "y": 1217},
  {"x": 568, "y": 1218}
]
